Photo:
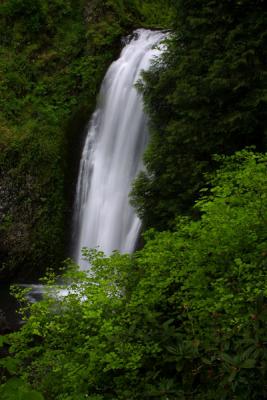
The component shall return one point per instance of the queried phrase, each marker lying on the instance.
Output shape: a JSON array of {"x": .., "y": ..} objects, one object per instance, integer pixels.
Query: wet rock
[{"x": 4, "y": 326}]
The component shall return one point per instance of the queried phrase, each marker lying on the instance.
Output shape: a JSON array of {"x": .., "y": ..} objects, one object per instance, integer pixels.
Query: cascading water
[{"x": 112, "y": 154}]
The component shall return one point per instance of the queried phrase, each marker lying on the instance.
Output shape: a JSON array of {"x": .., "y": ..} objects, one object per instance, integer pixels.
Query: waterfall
[{"x": 112, "y": 154}]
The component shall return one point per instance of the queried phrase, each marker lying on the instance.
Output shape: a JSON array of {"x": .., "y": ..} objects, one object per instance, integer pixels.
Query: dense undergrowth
[
  {"x": 183, "y": 318},
  {"x": 54, "y": 55}
]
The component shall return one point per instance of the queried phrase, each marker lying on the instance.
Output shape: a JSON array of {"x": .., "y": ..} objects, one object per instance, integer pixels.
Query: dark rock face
[
  {"x": 10, "y": 319},
  {"x": 4, "y": 326},
  {"x": 16, "y": 221}
]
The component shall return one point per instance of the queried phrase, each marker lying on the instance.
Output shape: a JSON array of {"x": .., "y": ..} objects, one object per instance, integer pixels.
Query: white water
[{"x": 112, "y": 154}]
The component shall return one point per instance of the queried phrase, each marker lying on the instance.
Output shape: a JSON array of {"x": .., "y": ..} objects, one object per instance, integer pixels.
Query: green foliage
[
  {"x": 183, "y": 318},
  {"x": 206, "y": 95},
  {"x": 15, "y": 389}
]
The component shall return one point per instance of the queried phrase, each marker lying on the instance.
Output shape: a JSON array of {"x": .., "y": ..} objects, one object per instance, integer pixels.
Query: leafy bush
[{"x": 15, "y": 389}]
